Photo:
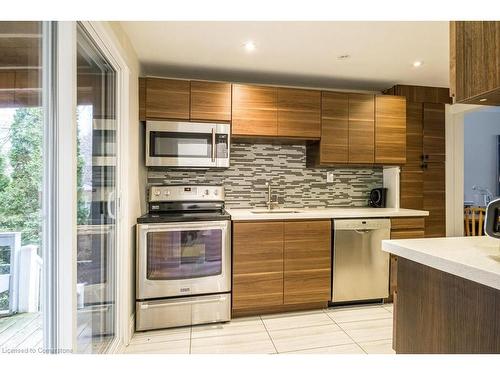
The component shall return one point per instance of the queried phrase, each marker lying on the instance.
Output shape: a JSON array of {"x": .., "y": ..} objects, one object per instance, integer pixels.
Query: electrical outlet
[{"x": 329, "y": 176}]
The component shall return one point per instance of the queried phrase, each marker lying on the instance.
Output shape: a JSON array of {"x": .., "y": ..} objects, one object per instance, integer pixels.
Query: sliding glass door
[
  {"x": 96, "y": 194},
  {"x": 23, "y": 149}
]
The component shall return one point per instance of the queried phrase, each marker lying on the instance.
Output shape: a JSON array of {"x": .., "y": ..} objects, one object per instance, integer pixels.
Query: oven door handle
[
  {"x": 213, "y": 145},
  {"x": 169, "y": 304}
]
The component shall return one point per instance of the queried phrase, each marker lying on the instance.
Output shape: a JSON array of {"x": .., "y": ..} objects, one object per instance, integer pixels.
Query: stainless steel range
[{"x": 183, "y": 258}]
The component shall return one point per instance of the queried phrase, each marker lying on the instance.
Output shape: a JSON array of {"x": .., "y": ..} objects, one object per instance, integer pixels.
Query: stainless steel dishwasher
[{"x": 360, "y": 267}]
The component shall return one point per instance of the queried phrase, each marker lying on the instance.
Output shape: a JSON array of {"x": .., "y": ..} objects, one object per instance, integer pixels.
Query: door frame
[
  {"x": 105, "y": 40},
  {"x": 455, "y": 166}
]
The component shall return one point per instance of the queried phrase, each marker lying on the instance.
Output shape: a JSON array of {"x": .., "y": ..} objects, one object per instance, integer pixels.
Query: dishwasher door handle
[{"x": 363, "y": 231}]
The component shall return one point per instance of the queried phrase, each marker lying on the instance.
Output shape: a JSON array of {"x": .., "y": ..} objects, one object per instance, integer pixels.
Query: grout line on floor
[
  {"x": 347, "y": 334},
  {"x": 190, "y": 338},
  {"x": 318, "y": 347},
  {"x": 270, "y": 338}
]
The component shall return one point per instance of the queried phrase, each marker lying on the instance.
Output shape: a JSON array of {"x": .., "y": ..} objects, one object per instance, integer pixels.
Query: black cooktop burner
[{"x": 169, "y": 217}]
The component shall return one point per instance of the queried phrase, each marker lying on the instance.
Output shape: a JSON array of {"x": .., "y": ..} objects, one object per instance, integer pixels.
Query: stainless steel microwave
[{"x": 187, "y": 144}]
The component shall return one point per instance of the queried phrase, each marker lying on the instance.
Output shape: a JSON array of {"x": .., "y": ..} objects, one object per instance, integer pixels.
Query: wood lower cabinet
[
  {"x": 307, "y": 261},
  {"x": 254, "y": 111},
  {"x": 210, "y": 101},
  {"x": 167, "y": 99},
  {"x": 299, "y": 113},
  {"x": 257, "y": 265},
  {"x": 390, "y": 130},
  {"x": 403, "y": 228},
  {"x": 280, "y": 265}
]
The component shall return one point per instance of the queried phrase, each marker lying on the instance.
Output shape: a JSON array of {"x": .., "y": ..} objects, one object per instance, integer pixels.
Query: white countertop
[
  {"x": 473, "y": 258},
  {"x": 239, "y": 214}
]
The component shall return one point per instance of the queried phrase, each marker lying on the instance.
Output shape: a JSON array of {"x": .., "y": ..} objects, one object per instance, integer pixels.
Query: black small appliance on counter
[{"x": 378, "y": 198}]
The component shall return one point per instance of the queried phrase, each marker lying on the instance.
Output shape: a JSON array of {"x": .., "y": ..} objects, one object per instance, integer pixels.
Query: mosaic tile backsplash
[{"x": 284, "y": 166}]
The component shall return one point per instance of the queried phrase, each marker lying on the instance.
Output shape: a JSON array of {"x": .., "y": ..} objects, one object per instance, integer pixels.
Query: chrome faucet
[{"x": 270, "y": 203}]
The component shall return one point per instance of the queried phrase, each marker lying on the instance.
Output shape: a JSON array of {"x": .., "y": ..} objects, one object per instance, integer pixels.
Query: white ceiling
[{"x": 296, "y": 53}]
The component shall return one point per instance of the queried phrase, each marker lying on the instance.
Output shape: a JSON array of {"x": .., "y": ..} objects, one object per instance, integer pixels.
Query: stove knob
[
  {"x": 207, "y": 192},
  {"x": 157, "y": 192},
  {"x": 216, "y": 192},
  {"x": 167, "y": 192}
]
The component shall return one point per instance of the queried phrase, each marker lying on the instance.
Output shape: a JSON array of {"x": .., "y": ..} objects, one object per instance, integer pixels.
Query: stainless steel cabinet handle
[
  {"x": 169, "y": 304},
  {"x": 213, "y": 144}
]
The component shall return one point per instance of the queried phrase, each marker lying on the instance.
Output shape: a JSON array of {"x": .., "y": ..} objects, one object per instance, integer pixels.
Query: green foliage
[
  {"x": 4, "y": 179},
  {"x": 20, "y": 198},
  {"x": 20, "y": 195}
]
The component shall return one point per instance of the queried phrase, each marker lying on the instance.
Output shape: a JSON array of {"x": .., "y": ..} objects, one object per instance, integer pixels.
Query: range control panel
[{"x": 176, "y": 193}]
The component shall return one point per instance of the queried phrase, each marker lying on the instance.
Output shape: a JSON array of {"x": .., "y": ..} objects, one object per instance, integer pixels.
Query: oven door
[
  {"x": 177, "y": 259},
  {"x": 187, "y": 144}
]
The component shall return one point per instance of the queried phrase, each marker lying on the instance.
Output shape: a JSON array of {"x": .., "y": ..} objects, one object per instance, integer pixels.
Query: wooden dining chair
[{"x": 474, "y": 221}]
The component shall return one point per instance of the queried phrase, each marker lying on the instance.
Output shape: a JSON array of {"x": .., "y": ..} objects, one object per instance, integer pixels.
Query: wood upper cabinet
[
  {"x": 254, "y": 110},
  {"x": 299, "y": 113},
  {"x": 334, "y": 145},
  {"x": 475, "y": 61},
  {"x": 142, "y": 99},
  {"x": 7, "y": 88},
  {"x": 390, "y": 129},
  {"x": 307, "y": 261},
  {"x": 167, "y": 99},
  {"x": 210, "y": 101},
  {"x": 257, "y": 264},
  {"x": 361, "y": 128}
]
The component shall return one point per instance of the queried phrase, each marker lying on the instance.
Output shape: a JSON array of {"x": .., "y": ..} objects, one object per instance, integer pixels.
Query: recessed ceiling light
[
  {"x": 418, "y": 64},
  {"x": 343, "y": 57},
  {"x": 249, "y": 46},
  {"x": 483, "y": 100}
]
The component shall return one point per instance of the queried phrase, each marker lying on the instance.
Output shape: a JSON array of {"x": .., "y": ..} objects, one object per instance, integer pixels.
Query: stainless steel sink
[{"x": 275, "y": 211}]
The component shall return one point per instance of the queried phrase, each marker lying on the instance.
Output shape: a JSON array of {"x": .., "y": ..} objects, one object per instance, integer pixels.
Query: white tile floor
[{"x": 347, "y": 330}]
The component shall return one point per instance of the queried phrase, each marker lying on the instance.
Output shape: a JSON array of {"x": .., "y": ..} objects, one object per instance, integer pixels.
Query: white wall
[{"x": 480, "y": 151}]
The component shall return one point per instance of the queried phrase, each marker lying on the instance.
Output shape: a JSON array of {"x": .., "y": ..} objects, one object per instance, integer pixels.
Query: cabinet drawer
[
  {"x": 407, "y": 223},
  {"x": 407, "y": 234},
  {"x": 184, "y": 311}
]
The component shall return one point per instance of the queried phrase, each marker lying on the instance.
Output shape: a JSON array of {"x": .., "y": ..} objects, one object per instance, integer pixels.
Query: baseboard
[{"x": 131, "y": 328}]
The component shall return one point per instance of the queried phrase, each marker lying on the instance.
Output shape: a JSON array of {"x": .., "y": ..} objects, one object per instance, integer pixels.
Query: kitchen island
[{"x": 447, "y": 296}]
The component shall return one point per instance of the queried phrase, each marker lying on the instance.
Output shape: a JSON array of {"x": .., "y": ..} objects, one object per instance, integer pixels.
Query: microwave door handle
[{"x": 213, "y": 145}]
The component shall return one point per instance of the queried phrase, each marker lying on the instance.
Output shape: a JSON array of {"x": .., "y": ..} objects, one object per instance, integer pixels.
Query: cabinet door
[
  {"x": 334, "y": 144},
  {"x": 142, "y": 99},
  {"x": 255, "y": 111},
  {"x": 299, "y": 113},
  {"x": 435, "y": 199},
  {"x": 361, "y": 128},
  {"x": 411, "y": 177},
  {"x": 434, "y": 147},
  {"x": 390, "y": 130},
  {"x": 167, "y": 99},
  {"x": 307, "y": 261},
  {"x": 210, "y": 101},
  {"x": 257, "y": 264},
  {"x": 402, "y": 228}
]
